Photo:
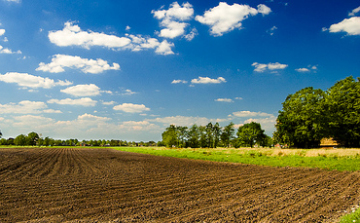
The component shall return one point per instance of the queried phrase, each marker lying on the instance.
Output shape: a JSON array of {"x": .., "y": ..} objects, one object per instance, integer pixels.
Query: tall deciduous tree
[
  {"x": 193, "y": 136},
  {"x": 343, "y": 108},
  {"x": 169, "y": 137},
  {"x": 301, "y": 122},
  {"x": 227, "y": 134},
  {"x": 249, "y": 134}
]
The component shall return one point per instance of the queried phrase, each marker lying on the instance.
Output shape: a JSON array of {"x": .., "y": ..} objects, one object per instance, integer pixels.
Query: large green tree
[
  {"x": 301, "y": 122},
  {"x": 250, "y": 134},
  {"x": 169, "y": 137},
  {"x": 343, "y": 112}
]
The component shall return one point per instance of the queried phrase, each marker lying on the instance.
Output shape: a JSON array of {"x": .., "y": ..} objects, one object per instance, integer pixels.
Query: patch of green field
[
  {"x": 350, "y": 218},
  {"x": 263, "y": 157}
]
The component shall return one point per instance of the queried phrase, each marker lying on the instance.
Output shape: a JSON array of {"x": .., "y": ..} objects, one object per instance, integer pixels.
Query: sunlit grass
[{"x": 263, "y": 157}]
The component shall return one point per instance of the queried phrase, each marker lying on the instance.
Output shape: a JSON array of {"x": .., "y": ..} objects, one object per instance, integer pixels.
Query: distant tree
[
  {"x": 227, "y": 134},
  {"x": 20, "y": 140},
  {"x": 249, "y": 134},
  {"x": 203, "y": 137},
  {"x": 181, "y": 133},
  {"x": 169, "y": 137},
  {"x": 193, "y": 136},
  {"x": 3, "y": 141},
  {"x": 216, "y": 134},
  {"x": 0, "y": 134},
  {"x": 32, "y": 138}
]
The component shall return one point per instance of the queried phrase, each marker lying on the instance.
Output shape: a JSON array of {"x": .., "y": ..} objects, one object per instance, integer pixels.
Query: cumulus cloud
[
  {"x": 108, "y": 102},
  {"x": 128, "y": 92},
  {"x": 131, "y": 108},
  {"x": 351, "y": 26},
  {"x": 23, "y": 107},
  {"x": 8, "y": 51},
  {"x": 228, "y": 100},
  {"x": 172, "y": 19},
  {"x": 250, "y": 114},
  {"x": 72, "y": 35},
  {"x": 270, "y": 66},
  {"x": 225, "y": 18},
  {"x": 87, "y": 102},
  {"x": 179, "y": 82},
  {"x": 181, "y": 120},
  {"x": 82, "y": 90},
  {"x": 89, "y": 117},
  {"x": 207, "y": 80},
  {"x": 2, "y": 32},
  {"x": 302, "y": 70},
  {"x": 31, "y": 81},
  {"x": 60, "y": 61}
]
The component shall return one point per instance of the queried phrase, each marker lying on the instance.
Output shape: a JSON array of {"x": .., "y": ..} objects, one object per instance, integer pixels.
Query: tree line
[
  {"x": 34, "y": 139},
  {"x": 213, "y": 135},
  {"x": 311, "y": 114}
]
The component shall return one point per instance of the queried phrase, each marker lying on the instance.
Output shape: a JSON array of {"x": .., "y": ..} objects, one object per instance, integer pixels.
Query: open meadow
[{"x": 105, "y": 185}]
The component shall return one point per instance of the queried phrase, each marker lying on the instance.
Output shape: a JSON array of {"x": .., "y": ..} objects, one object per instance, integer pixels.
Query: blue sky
[{"x": 128, "y": 69}]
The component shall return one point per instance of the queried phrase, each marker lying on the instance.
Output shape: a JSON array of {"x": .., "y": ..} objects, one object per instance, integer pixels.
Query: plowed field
[{"x": 88, "y": 185}]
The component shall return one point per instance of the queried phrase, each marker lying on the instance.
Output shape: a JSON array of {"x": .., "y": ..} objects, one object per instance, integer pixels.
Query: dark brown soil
[{"x": 102, "y": 185}]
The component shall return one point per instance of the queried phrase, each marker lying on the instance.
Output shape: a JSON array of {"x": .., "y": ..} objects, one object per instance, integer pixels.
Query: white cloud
[
  {"x": 224, "y": 18},
  {"x": 59, "y": 62},
  {"x": 82, "y": 90},
  {"x": 224, "y": 100},
  {"x": 207, "y": 80},
  {"x": 181, "y": 120},
  {"x": 89, "y": 117},
  {"x": 179, "y": 82},
  {"x": 8, "y": 51},
  {"x": 351, "y": 26},
  {"x": 270, "y": 66},
  {"x": 31, "y": 81},
  {"x": 108, "y": 102},
  {"x": 272, "y": 30},
  {"x": 250, "y": 114},
  {"x": 164, "y": 48},
  {"x": 87, "y": 102},
  {"x": 23, "y": 107},
  {"x": 127, "y": 28},
  {"x": 302, "y": 70},
  {"x": 172, "y": 19},
  {"x": 263, "y": 9},
  {"x": 355, "y": 11},
  {"x": 128, "y": 92},
  {"x": 72, "y": 35},
  {"x": 131, "y": 108},
  {"x": 239, "y": 98},
  {"x": 16, "y": 1},
  {"x": 191, "y": 35},
  {"x": 2, "y": 32}
]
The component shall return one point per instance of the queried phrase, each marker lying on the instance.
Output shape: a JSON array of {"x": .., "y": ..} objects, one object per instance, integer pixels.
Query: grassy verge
[
  {"x": 350, "y": 218},
  {"x": 263, "y": 157}
]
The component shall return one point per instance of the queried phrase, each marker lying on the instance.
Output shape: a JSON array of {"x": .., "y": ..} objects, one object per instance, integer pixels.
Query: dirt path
[{"x": 87, "y": 185}]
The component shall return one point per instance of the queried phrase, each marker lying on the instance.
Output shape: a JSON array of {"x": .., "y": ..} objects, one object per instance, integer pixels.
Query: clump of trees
[
  {"x": 213, "y": 135},
  {"x": 312, "y": 114}
]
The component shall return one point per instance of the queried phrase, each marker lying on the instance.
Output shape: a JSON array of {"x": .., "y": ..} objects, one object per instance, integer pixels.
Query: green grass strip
[
  {"x": 351, "y": 218},
  {"x": 347, "y": 163}
]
